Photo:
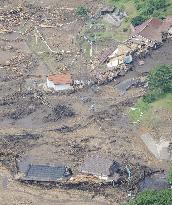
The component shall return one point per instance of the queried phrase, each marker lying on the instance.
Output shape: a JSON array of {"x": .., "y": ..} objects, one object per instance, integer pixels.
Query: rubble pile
[
  {"x": 13, "y": 18},
  {"x": 12, "y": 146},
  {"x": 111, "y": 74},
  {"x": 59, "y": 112}
]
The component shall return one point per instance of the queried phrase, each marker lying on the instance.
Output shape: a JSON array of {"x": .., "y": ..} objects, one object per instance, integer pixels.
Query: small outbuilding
[
  {"x": 107, "y": 10},
  {"x": 46, "y": 173},
  {"x": 60, "y": 82},
  {"x": 101, "y": 167}
]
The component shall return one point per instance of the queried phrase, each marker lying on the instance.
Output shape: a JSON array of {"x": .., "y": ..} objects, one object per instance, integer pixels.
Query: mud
[{"x": 37, "y": 126}]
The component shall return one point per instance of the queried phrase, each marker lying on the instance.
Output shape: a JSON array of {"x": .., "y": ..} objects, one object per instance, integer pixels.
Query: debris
[
  {"x": 141, "y": 62},
  {"x": 59, "y": 112}
]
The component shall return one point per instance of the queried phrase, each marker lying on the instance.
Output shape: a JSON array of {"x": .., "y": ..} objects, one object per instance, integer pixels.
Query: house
[
  {"x": 150, "y": 30},
  {"x": 153, "y": 29},
  {"x": 46, "y": 173},
  {"x": 60, "y": 82},
  {"x": 101, "y": 167}
]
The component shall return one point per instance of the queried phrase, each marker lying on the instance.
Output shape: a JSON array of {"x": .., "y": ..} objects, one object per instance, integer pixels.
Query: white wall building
[{"x": 60, "y": 82}]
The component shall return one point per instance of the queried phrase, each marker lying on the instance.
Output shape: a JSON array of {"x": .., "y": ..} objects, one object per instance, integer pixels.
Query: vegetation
[
  {"x": 153, "y": 197},
  {"x": 137, "y": 20},
  {"x": 170, "y": 176},
  {"x": 159, "y": 83},
  {"x": 139, "y": 11},
  {"x": 158, "y": 95},
  {"x": 82, "y": 11}
]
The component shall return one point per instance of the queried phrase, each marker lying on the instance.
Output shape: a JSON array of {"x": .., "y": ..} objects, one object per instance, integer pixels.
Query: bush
[
  {"x": 153, "y": 197},
  {"x": 159, "y": 83},
  {"x": 149, "y": 7},
  {"x": 161, "y": 78},
  {"x": 82, "y": 11},
  {"x": 153, "y": 95},
  {"x": 169, "y": 178},
  {"x": 137, "y": 20}
]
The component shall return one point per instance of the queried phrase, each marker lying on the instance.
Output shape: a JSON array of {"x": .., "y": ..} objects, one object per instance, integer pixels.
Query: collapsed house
[
  {"x": 101, "y": 167},
  {"x": 60, "y": 82},
  {"x": 46, "y": 173},
  {"x": 121, "y": 55}
]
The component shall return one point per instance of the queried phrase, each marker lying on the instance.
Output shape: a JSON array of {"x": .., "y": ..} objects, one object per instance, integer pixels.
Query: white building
[{"x": 60, "y": 82}]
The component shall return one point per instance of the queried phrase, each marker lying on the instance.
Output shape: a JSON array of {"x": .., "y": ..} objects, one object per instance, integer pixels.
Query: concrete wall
[{"x": 51, "y": 85}]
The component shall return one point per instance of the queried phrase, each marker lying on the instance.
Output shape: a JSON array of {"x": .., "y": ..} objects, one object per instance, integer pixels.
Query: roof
[
  {"x": 150, "y": 29},
  {"x": 97, "y": 165},
  {"x": 59, "y": 79},
  {"x": 167, "y": 23},
  {"x": 45, "y": 173},
  {"x": 122, "y": 49},
  {"x": 108, "y": 9},
  {"x": 105, "y": 54}
]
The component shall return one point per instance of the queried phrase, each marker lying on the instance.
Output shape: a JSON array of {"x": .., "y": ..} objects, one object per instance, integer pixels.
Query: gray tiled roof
[
  {"x": 97, "y": 165},
  {"x": 45, "y": 173}
]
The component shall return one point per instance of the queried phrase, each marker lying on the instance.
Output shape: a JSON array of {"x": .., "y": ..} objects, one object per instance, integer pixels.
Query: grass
[
  {"x": 169, "y": 8},
  {"x": 153, "y": 197},
  {"x": 129, "y": 7},
  {"x": 136, "y": 113},
  {"x": 143, "y": 111}
]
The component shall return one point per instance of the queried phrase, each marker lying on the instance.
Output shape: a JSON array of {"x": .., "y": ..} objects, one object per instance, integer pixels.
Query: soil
[{"x": 37, "y": 126}]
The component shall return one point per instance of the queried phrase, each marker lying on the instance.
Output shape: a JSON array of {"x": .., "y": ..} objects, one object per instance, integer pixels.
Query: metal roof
[{"x": 45, "y": 173}]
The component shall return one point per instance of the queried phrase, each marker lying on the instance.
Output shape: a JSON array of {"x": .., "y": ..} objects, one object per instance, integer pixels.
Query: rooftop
[
  {"x": 150, "y": 29},
  {"x": 167, "y": 23},
  {"x": 45, "y": 173},
  {"x": 98, "y": 165},
  {"x": 59, "y": 79}
]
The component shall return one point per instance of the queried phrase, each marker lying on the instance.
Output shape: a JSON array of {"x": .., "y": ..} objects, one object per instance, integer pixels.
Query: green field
[{"x": 144, "y": 112}]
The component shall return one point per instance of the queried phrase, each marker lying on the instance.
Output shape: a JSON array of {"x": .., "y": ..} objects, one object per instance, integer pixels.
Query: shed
[
  {"x": 60, "y": 82},
  {"x": 46, "y": 173},
  {"x": 107, "y": 10},
  {"x": 100, "y": 166}
]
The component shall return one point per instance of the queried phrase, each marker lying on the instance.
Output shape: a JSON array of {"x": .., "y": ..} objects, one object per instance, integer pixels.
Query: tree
[
  {"x": 147, "y": 8},
  {"x": 161, "y": 78},
  {"x": 137, "y": 20},
  {"x": 159, "y": 82},
  {"x": 82, "y": 11},
  {"x": 153, "y": 197}
]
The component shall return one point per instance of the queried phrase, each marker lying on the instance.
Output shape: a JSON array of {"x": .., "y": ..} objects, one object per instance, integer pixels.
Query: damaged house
[
  {"x": 121, "y": 55},
  {"x": 101, "y": 167},
  {"x": 152, "y": 30},
  {"x": 60, "y": 82},
  {"x": 46, "y": 173}
]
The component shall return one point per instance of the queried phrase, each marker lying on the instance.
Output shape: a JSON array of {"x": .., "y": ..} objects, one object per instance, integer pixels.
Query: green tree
[
  {"x": 82, "y": 11},
  {"x": 161, "y": 78},
  {"x": 153, "y": 197},
  {"x": 137, "y": 20}
]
